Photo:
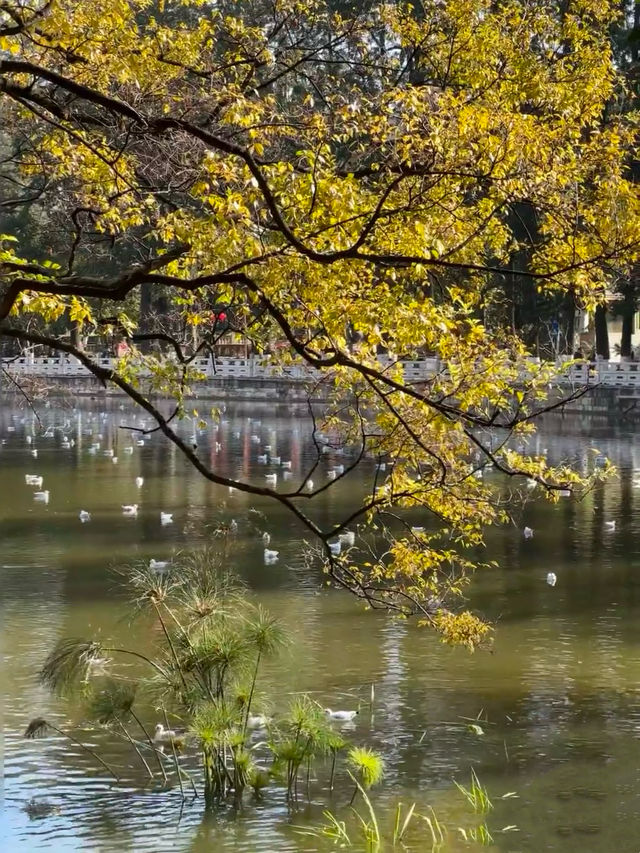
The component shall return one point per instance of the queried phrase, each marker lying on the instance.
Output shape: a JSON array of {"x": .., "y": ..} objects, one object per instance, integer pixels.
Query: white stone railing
[
  {"x": 219, "y": 368},
  {"x": 612, "y": 374}
]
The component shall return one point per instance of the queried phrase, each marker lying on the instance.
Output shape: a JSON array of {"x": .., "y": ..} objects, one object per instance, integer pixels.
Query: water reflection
[{"x": 556, "y": 699}]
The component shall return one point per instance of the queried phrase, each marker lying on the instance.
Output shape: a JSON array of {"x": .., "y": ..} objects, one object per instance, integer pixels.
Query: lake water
[{"x": 557, "y": 697}]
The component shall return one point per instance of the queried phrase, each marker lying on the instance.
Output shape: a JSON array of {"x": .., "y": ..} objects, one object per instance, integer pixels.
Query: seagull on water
[
  {"x": 341, "y": 716},
  {"x": 270, "y": 556},
  {"x": 528, "y": 533},
  {"x": 158, "y": 565},
  {"x": 163, "y": 735},
  {"x": 130, "y": 510},
  {"x": 610, "y": 526},
  {"x": 166, "y": 517},
  {"x": 84, "y": 515},
  {"x": 551, "y": 578},
  {"x": 139, "y": 482},
  {"x": 41, "y": 496}
]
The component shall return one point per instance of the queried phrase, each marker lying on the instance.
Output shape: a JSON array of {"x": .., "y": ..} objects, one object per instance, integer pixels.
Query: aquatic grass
[
  {"x": 436, "y": 828},
  {"x": 476, "y": 795},
  {"x": 477, "y": 834},
  {"x": 367, "y": 767},
  {"x": 209, "y": 647},
  {"x": 266, "y": 635},
  {"x": 401, "y": 822},
  {"x": 336, "y": 744},
  {"x": 370, "y": 828},
  {"x": 333, "y": 829},
  {"x": 113, "y": 705},
  {"x": 40, "y": 727}
]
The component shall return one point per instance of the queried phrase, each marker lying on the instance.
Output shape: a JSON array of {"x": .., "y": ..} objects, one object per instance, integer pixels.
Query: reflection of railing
[{"x": 612, "y": 374}]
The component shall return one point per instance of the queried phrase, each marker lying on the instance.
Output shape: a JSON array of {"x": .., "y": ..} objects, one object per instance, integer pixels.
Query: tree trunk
[
  {"x": 76, "y": 335},
  {"x": 628, "y": 313},
  {"x": 569, "y": 322},
  {"x": 602, "y": 332}
]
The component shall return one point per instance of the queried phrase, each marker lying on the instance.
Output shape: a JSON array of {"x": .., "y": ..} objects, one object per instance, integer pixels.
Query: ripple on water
[{"x": 559, "y": 725}]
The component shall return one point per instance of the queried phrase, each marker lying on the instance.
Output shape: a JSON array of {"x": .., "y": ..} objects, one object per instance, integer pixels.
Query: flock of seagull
[
  {"x": 255, "y": 722},
  {"x": 263, "y": 457}
]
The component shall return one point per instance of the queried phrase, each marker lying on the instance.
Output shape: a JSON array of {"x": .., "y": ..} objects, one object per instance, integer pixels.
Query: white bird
[
  {"x": 286, "y": 465},
  {"x": 109, "y": 453},
  {"x": 41, "y": 496},
  {"x": 287, "y": 475},
  {"x": 163, "y": 735},
  {"x": 528, "y": 533},
  {"x": 331, "y": 474},
  {"x": 11, "y": 429},
  {"x": 275, "y": 460},
  {"x": 130, "y": 509},
  {"x": 262, "y": 458},
  {"x": 140, "y": 442},
  {"x": 348, "y": 539},
  {"x": 166, "y": 518},
  {"x": 114, "y": 459},
  {"x": 339, "y": 469},
  {"x": 266, "y": 537},
  {"x": 267, "y": 447},
  {"x": 139, "y": 482},
  {"x": 255, "y": 438},
  {"x": 128, "y": 450},
  {"x": 335, "y": 547},
  {"x": 610, "y": 526},
  {"x": 551, "y": 578},
  {"x": 342, "y": 716},
  {"x": 33, "y": 480},
  {"x": 158, "y": 565},
  {"x": 271, "y": 478},
  {"x": 233, "y": 525},
  {"x": 270, "y": 556},
  {"x": 84, "y": 516},
  {"x": 28, "y": 439},
  {"x": 257, "y": 721},
  {"x": 92, "y": 451},
  {"x": 309, "y": 485},
  {"x": 531, "y": 484},
  {"x": 34, "y": 453}
]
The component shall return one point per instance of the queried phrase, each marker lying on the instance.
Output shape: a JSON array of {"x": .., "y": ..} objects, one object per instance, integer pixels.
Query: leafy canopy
[{"x": 349, "y": 183}]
